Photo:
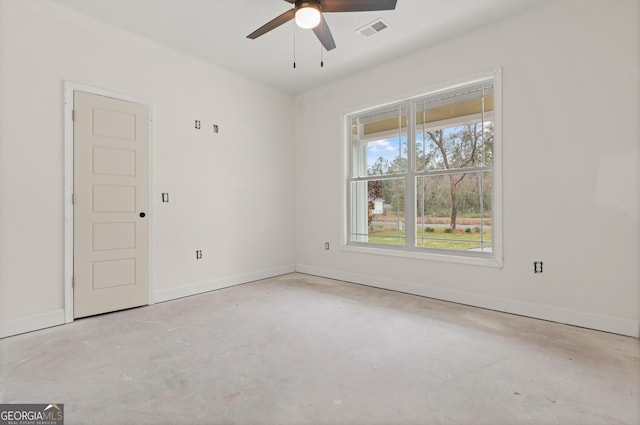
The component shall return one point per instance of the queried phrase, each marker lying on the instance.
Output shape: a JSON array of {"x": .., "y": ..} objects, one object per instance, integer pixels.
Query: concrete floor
[{"x": 298, "y": 349}]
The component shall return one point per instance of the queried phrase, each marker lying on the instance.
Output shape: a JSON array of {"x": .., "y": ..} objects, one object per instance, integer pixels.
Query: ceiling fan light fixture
[{"x": 308, "y": 15}]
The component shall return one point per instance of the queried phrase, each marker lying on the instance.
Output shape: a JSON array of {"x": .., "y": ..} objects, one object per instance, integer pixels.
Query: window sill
[{"x": 474, "y": 260}]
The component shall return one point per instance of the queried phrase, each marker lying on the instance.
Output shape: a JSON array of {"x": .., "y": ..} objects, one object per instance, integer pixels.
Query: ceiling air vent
[{"x": 372, "y": 28}]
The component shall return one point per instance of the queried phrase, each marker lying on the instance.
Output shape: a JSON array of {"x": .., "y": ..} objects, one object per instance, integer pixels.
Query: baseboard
[
  {"x": 617, "y": 325},
  {"x": 224, "y": 282},
  {"x": 31, "y": 323}
]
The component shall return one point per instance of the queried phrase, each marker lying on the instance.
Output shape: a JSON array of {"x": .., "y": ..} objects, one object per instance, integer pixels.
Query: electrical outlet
[
  {"x": 197, "y": 124},
  {"x": 165, "y": 197},
  {"x": 215, "y": 128},
  {"x": 537, "y": 266},
  {"x": 326, "y": 246},
  {"x": 199, "y": 254}
]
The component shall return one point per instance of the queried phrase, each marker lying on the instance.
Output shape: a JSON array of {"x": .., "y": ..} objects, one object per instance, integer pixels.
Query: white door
[{"x": 111, "y": 185}]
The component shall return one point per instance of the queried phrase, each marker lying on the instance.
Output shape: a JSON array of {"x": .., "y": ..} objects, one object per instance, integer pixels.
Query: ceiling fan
[{"x": 308, "y": 14}]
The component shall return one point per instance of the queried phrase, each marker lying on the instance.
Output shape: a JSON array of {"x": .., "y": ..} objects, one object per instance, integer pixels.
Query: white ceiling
[{"x": 216, "y": 30}]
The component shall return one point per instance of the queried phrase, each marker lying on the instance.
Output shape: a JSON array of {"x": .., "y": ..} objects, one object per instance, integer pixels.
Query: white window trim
[{"x": 496, "y": 259}]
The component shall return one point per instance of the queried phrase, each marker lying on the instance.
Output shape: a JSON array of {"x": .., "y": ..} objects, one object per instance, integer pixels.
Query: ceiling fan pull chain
[
  {"x": 321, "y": 56},
  {"x": 294, "y": 46}
]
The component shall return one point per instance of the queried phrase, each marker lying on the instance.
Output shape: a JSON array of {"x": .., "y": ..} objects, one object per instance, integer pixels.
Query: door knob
[{"x": 142, "y": 214}]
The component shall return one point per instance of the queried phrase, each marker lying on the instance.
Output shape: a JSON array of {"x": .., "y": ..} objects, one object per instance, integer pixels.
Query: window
[{"x": 423, "y": 177}]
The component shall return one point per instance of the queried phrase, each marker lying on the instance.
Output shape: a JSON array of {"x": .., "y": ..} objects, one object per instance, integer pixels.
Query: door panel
[
  {"x": 113, "y": 198},
  {"x": 117, "y": 162},
  {"x": 113, "y": 236},
  {"x": 113, "y": 273},
  {"x": 111, "y": 185}
]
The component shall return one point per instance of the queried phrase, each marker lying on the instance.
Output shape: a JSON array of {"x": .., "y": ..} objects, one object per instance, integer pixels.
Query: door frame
[{"x": 69, "y": 88}]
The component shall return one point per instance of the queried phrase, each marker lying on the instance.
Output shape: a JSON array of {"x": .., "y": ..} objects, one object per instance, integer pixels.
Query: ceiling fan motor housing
[{"x": 301, "y": 4}]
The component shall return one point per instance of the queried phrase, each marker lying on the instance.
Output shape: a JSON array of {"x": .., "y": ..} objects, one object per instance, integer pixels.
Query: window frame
[{"x": 409, "y": 249}]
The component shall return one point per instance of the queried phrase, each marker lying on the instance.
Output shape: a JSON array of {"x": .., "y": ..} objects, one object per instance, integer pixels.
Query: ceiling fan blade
[
  {"x": 274, "y": 23},
  {"x": 323, "y": 33},
  {"x": 356, "y": 5}
]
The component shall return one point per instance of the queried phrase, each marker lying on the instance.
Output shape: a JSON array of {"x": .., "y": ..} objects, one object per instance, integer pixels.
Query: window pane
[
  {"x": 379, "y": 143},
  {"x": 387, "y": 156},
  {"x": 454, "y": 211},
  {"x": 455, "y": 132},
  {"x": 359, "y": 212},
  {"x": 383, "y": 220}
]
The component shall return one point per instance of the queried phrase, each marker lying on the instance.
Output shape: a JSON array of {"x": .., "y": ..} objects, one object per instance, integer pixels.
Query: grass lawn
[{"x": 458, "y": 239}]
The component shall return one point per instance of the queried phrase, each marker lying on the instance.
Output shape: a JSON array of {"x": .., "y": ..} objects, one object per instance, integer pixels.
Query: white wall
[
  {"x": 232, "y": 194},
  {"x": 571, "y": 166}
]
